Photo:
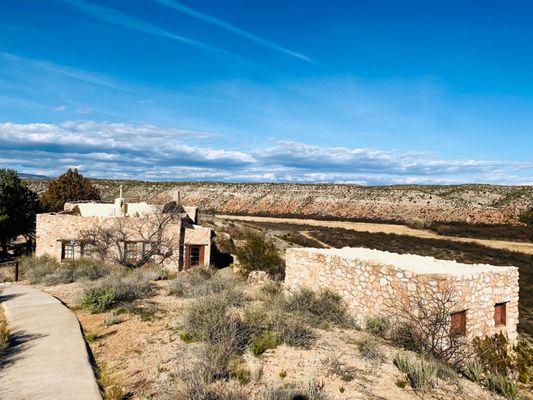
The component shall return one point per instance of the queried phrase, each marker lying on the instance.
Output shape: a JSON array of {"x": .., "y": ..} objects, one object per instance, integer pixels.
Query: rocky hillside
[{"x": 462, "y": 203}]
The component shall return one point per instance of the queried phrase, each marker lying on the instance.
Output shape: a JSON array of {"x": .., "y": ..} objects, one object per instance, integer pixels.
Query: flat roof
[{"x": 410, "y": 262}]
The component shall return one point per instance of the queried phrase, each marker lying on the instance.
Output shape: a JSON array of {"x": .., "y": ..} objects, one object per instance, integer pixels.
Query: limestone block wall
[
  {"x": 370, "y": 287},
  {"x": 51, "y": 229}
]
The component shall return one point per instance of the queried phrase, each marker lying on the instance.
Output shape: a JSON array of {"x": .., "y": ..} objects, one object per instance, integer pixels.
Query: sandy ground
[
  {"x": 140, "y": 353},
  {"x": 372, "y": 380},
  {"x": 138, "y": 350},
  {"x": 385, "y": 228}
]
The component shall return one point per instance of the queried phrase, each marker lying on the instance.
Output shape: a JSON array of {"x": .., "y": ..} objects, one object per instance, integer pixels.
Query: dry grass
[{"x": 4, "y": 332}]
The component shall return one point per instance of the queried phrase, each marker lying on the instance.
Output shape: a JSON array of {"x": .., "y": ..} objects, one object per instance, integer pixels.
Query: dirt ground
[
  {"x": 386, "y": 228},
  {"x": 143, "y": 348},
  {"x": 140, "y": 347}
]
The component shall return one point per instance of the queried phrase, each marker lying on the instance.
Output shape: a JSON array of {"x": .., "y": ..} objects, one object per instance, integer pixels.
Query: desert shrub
[
  {"x": 403, "y": 336},
  {"x": 503, "y": 386},
  {"x": 114, "y": 289},
  {"x": 417, "y": 223},
  {"x": 217, "y": 284},
  {"x": 155, "y": 272},
  {"x": 270, "y": 290},
  {"x": 335, "y": 367},
  {"x": 294, "y": 331},
  {"x": 444, "y": 371},
  {"x": 36, "y": 268},
  {"x": 527, "y": 217},
  {"x": 422, "y": 375},
  {"x": 524, "y": 362},
  {"x": 196, "y": 383},
  {"x": 212, "y": 320},
  {"x": 239, "y": 370},
  {"x": 474, "y": 371},
  {"x": 4, "y": 334},
  {"x": 98, "y": 299},
  {"x": 110, "y": 388},
  {"x": 494, "y": 353},
  {"x": 266, "y": 340},
  {"x": 314, "y": 390},
  {"x": 378, "y": 325},
  {"x": 371, "y": 351},
  {"x": 185, "y": 281},
  {"x": 402, "y": 362},
  {"x": 260, "y": 254},
  {"x": 50, "y": 272},
  {"x": 320, "y": 309}
]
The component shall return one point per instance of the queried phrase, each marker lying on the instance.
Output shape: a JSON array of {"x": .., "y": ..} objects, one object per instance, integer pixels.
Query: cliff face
[{"x": 463, "y": 203}]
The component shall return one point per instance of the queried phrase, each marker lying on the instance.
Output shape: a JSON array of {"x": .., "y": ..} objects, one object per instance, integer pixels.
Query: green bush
[
  {"x": 290, "y": 329},
  {"x": 402, "y": 335},
  {"x": 187, "y": 280},
  {"x": 474, "y": 371},
  {"x": 422, "y": 375},
  {"x": 378, "y": 325},
  {"x": 320, "y": 309},
  {"x": 108, "y": 292},
  {"x": 495, "y": 354},
  {"x": 212, "y": 320},
  {"x": 503, "y": 386},
  {"x": 402, "y": 362},
  {"x": 267, "y": 340},
  {"x": 36, "y": 268},
  {"x": 294, "y": 331},
  {"x": 524, "y": 362},
  {"x": 50, "y": 272},
  {"x": 260, "y": 254},
  {"x": 98, "y": 299},
  {"x": 527, "y": 217}
]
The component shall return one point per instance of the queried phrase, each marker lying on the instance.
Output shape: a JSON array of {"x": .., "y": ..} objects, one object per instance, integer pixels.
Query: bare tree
[
  {"x": 134, "y": 242},
  {"x": 424, "y": 321}
]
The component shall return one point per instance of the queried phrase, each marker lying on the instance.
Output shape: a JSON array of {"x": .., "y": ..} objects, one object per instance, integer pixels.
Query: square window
[
  {"x": 68, "y": 250},
  {"x": 500, "y": 314},
  {"x": 88, "y": 249},
  {"x": 131, "y": 250},
  {"x": 148, "y": 246},
  {"x": 458, "y": 323}
]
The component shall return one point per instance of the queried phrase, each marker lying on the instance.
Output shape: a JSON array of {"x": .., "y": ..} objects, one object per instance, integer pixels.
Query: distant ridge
[
  {"x": 420, "y": 204},
  {"x": 33, "y": 176}
]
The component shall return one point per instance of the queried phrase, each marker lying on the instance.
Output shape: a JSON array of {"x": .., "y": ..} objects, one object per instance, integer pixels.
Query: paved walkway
[{"x": 48, "y": 359}]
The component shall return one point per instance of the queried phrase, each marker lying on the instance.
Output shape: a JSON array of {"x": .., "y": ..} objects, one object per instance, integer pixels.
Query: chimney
[{"x": 119, "y": 205}]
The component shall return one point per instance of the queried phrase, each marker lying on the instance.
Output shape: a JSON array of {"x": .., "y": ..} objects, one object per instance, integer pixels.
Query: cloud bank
[{"x": 151, "y": 152}]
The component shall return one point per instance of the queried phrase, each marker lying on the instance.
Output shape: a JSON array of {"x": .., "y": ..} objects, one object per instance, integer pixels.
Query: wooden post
[{"x": 16, "y": 271}]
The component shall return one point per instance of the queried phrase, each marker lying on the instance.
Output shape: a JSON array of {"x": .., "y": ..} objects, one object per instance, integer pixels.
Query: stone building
[
  {"x": 484, "y": 297},
  {"x": 64, "y": 235}
]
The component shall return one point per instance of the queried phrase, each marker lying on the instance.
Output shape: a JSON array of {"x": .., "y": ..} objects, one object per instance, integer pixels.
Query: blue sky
[{"x": 369, "y": 92}]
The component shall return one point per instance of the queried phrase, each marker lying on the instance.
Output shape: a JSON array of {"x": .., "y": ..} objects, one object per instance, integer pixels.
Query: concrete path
[{"x": 48, "y": 359}]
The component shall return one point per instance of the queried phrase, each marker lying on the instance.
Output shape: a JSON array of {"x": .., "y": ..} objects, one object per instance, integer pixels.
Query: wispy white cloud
[
  {"x": 64, "y": 70},
  {"x": 118, "y": 18},
  {"x": 120, "y": 150},
  {"x": 233, "y": 29}
]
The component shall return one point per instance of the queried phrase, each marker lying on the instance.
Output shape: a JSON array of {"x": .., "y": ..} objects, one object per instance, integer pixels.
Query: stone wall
[
  {"x": 373, "y": 288},
  {"x": 51, "y": 229}
]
